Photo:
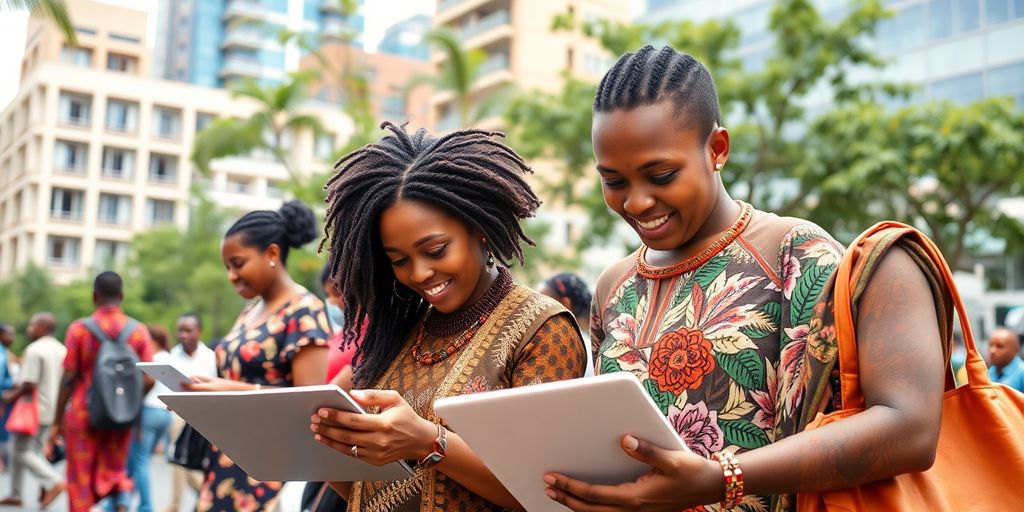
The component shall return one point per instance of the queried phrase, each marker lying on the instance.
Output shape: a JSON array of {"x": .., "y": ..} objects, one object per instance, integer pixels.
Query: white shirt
[
  {"x": 158, "y": 389},
  {"x": 44, "y": 367},
  {"x": 202, "y": 362}
]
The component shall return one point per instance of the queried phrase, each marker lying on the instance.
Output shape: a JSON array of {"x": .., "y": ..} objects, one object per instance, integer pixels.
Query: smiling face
[
  {"x": 659, "y": 178},
  {"x": 434, "y": 254},
  {"x": 248, "y": 267}
]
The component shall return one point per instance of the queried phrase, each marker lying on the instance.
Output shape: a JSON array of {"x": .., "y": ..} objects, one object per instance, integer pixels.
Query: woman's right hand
[{"x": 201, "y": 383}]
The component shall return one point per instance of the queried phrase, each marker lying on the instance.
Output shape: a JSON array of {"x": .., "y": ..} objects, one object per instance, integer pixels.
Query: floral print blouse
[{"x": 719, "y": 347}]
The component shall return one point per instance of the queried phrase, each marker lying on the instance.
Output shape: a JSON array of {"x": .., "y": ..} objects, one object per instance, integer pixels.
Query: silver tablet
[{"x": 571, "y": 427}]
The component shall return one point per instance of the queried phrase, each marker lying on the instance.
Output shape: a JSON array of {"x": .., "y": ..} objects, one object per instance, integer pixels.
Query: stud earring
[
  {"x": 490, "y": 255},
  {"x": 272, "y": 264},
  {"x": 718, "y": 166}
]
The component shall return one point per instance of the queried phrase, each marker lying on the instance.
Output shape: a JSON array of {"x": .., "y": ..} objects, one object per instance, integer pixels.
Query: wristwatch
[{"x": 440, "y": 450}]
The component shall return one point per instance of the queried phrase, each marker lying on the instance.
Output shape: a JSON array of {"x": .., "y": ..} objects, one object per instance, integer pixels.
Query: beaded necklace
[
  {"x": 728, "y": 237},
  {"x": 461, "y": 325}
]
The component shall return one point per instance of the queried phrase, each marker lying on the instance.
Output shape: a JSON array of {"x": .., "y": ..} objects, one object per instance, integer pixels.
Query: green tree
[
  {"x": 938, "y": 166},
  {"x": 54, "y": 10},
  {"x": 278, "y": 115}
]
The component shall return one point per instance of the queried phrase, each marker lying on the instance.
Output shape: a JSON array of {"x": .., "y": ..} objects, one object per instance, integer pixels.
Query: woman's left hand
[
  {"x": 397, "y": 433},
  {"x": 677, "y": 480},
  {"x": 200, "y": 383}
]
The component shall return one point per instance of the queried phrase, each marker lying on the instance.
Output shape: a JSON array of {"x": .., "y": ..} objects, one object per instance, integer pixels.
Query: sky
[{"x": 379, "y": 16}]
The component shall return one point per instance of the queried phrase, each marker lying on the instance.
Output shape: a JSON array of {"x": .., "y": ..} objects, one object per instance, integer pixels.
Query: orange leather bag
[{"x": 979, "y": 463}]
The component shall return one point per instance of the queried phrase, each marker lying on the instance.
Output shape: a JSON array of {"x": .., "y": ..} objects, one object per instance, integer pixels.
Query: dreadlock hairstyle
[
  {"x": 571, "y": 286},
  {"x": 468, "y": 174},
  {"x": 294, "y": 225},
  {"x": 648, "y": 76}
]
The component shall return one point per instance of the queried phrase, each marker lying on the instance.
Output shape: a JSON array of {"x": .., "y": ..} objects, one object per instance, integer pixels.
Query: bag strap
[
  {"x": 127, "y": 330},
  {"x": 122, "y": 338},
  {"x": 863, "y": 254},
  {"x": 94, "y": 328}
]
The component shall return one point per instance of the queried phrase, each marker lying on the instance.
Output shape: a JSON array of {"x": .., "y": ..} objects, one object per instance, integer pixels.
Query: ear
[
  {"x": 273, "y": 252},
  {"x": 718, "y": 144}
]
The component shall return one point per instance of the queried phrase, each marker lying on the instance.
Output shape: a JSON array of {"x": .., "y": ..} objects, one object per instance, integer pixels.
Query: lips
[
  {"x": 653, "y": 223},
  {"x": 436, "y": 289}
]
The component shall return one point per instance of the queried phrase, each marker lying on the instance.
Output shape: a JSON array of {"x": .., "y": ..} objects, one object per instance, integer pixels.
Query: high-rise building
[
  {"x": 387, "y": 77},
  {"x": 405, "y": 38},
  {"x": 214, "y": 42},
  {"x": 520, "y": 46},
  {"x": 93, "y": 150}
]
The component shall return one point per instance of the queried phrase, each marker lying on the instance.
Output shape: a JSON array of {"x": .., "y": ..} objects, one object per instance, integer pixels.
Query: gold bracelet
[{"x": 733, "y": 479}]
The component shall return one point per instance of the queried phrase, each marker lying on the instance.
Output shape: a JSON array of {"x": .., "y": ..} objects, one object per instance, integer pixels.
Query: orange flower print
[{"x": 680, "y": 360}]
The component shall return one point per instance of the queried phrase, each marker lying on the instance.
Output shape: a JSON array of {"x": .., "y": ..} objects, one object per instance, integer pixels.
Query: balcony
[
  {"x": 244, "y": 10},
  {"x": 495, "y": 19},
  {"x": 448, "y": 4},
  {"x": 330, "y": 6},
  {"x": 112, "y": 219},
  {"x": 493, "y": 63},
  {"x": 241, "y": 67},
  {"x": 66, "y": 215},
  {"x": 78, "y": 122},
  {"x": 247, "y": 38}
]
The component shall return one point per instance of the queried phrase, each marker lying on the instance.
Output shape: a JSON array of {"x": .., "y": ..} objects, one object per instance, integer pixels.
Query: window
[
  {"x": 66, "y": 204},
  {"x": 74, "y": 108},
  {"x": 86, "y": 30},
  {"x": 63, "y": 251},
  {"x": 569, "y": 59},
  {"x": 114, "y": 209},
  {"x": 70, "y": 156},
  {"x": 159, "y": 211},
  {"x": 163, "y": 168},
  {"x": 997, "y": 11},
  {"x": 166, "y": 122},
  {"x": 109, "y": 253},
  {"x": 122, "y": 37},
  {"x": 1008, "y": 81},
  {"x": 238, "y": 186},
  {"x": 203, "y": 120},
  {"x": 324, "y": 147},
  {"x": 122, "y": 116},
  {"x": 77, "y": 56},
  {"x": 902, "y": 32},
  {"x": 122, "y": 63},
  {"x": 274, "y": 190},
  {"x": 118, "y": 163},
  {"x": 961, "y": 89}
]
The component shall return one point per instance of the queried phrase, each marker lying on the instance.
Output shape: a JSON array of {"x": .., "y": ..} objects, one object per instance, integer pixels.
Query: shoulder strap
[
  {"x": 90, "y": 324},
  {"x": 127, "y": 330},
  {"x": 852, "y": 278}
]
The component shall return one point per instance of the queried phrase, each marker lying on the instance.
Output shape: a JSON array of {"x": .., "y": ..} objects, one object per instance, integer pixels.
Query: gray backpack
[{"x": 115, "y": 399}]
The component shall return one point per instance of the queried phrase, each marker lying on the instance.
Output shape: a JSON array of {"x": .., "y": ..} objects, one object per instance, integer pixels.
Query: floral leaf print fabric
[{"x": 720, "y": 348}]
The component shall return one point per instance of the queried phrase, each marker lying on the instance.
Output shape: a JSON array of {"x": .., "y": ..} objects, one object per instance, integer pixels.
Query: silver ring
[{"x": 354, "y": 451}]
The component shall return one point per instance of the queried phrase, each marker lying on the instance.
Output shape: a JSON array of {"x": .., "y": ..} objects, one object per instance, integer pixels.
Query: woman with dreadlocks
[{"x": 421, "y": 231}]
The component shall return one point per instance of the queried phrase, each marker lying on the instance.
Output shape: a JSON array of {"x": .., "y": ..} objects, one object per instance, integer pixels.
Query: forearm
[
  {"x": 875, "y": 444},
  {"x": 463, "y": 466},
  {"x": 62, "y": 400}
]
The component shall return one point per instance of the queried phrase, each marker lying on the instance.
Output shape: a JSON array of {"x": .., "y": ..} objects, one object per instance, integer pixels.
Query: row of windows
[
  {"x": 123, "y": 116},
  {"x": 82, "y": 56},
  {"x": 1001, "y": 81},
  {"x": 65, "y": 251},
  {"x": 118, "y": 163},
  {"x": 67, "y": 204},
  {"x": 935, "y": 20}
]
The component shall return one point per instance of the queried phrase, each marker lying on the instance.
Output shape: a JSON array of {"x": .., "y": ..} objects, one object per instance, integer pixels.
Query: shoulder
[
  {"x": 162, "y": 357},
  {"x": 306, "y": 303},
  {"x": 614, "y": 275},
  {"x": 772, "y": 233}
]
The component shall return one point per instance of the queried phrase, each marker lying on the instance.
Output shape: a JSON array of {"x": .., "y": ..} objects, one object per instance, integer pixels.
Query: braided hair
[
  {"x": 294, "y": 225},
  {"x": 570, "y": 286},
  {"x": 467, "y": 174},
  {"x": 648, "y": 76}
]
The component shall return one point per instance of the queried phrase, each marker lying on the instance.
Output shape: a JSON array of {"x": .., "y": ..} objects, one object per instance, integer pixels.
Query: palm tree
[
  {"x": 266, "y": 128},
  {"x": 458, "y": 74},
  {"x": 55, "y": 10}
]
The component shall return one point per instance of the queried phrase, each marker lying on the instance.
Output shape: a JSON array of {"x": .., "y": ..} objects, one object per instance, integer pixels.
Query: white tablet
[
  {"x": 571, "y": 427},
  {"x": 267, "y": 434},
  {"x": 165, "y": 374}
]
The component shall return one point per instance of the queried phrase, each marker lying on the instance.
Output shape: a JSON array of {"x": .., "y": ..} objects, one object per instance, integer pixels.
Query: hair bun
[{"x": 299, "y": 223}]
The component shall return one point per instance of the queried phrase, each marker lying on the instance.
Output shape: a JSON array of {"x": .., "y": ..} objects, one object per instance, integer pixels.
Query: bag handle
[{"x": 854, "y": 263}]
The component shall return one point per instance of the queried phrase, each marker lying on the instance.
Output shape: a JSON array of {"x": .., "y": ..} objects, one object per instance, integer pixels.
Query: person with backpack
[{"x": 101, "y": 396}]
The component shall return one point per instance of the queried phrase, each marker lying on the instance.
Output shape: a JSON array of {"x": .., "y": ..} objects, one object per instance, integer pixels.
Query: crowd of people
[{"x": 420, "y": 304}]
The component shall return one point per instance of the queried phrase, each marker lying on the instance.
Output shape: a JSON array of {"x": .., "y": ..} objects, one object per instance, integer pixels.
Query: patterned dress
[
  {"x": 96, "y": 459},
  {"x": 528, "y": 338},
  {"x": 263, "y": 355},
  {"x": 720, "y": 345}
]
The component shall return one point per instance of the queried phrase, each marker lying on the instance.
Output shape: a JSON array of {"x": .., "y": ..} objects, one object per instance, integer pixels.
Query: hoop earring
[{"x": 394, "y": 288}]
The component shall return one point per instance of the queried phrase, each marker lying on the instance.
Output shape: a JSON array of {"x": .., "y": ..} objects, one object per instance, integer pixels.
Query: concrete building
[
  {"x": 93, "y": 151},
  {"x": 405, "y": 38},
  {"x": 387, "y": 77},
  {"x": 214, "y": 42}
]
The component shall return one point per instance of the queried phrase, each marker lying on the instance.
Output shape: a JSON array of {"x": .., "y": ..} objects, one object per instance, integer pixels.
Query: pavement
[{"x": 160, "y": 483}]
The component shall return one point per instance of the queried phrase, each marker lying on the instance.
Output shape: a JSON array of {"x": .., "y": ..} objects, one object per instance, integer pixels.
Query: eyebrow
[
  {"x": 418, "y": 243},
  {"x": 645, "y": 166}
]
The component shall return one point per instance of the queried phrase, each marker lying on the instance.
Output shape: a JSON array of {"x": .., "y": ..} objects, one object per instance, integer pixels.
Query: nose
[
  {"x": 232, "y": 275},
  {"x": 637, "y": 201},
  {"x": 421, "y": 271}
]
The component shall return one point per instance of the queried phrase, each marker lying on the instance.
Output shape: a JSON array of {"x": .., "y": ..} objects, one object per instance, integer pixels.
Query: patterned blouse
[
  {"x": 261, "y": 354},
  {"x": 719, "y": 347},
  {"x": 528, "y": 339}
]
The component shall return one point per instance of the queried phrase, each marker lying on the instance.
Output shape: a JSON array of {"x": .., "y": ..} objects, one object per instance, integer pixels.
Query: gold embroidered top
[{"x": 528, "y": 339}]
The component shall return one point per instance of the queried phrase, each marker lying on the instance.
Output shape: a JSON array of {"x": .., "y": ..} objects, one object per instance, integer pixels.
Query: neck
[
  {"x": 281, "y": 288},
  {"x": 190, "y": 351},
  {"x": 723, "y": 214}
]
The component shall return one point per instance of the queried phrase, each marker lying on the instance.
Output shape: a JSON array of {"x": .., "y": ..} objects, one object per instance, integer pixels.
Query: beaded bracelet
[{"x": 733, "y": 479}]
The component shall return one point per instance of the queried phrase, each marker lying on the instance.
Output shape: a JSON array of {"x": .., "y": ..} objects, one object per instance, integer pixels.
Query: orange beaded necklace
[{"x": 700, "y": 258}]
